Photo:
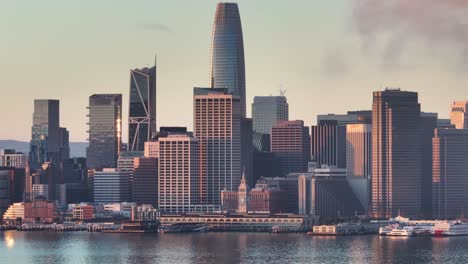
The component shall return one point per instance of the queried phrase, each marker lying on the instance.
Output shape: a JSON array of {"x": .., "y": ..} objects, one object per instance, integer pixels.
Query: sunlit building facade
[
  {"x": 459, "y": 114},
  {"x": 105, "y": 130},
  {"x": 142, "y": 108}
]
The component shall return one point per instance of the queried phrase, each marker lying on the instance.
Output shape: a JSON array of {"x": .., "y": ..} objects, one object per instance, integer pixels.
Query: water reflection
[{"x": 83, "y": 247}]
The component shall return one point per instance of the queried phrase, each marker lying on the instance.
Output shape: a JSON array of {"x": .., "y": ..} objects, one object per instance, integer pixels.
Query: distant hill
[{"x": 77, "y": 149}]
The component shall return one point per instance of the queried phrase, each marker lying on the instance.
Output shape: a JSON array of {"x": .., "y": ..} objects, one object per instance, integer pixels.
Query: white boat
[
  {"x": 385, "y": 230},
  {"x": 454, "y": 228},
  {"x": 405, "y": 231}
]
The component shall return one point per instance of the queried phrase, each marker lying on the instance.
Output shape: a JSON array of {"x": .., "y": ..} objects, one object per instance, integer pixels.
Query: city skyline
[{"x": 315, "y": 67}]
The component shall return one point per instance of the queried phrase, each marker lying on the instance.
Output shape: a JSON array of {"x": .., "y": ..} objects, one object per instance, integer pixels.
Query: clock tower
[{"x": 243, "y": 196}]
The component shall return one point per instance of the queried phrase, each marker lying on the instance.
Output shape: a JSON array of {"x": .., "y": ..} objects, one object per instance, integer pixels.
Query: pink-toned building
[
  {"x": 40, "y": 211},
  {"x": 83, "y": 212}
]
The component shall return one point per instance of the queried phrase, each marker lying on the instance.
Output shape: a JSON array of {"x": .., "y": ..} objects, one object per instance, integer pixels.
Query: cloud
[
  {"x": 440, "y": 25},
  {"x": 156, "y": 27},
  {"x": 334, "y": 63}
]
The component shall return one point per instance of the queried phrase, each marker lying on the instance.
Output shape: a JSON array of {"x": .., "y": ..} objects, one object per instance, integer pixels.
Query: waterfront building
[
  {"x": 450, "y": 166},
  {"x": 227, "y": 66},
  {"x": 290, "y": 143},
  {"x": 83, "y": 212},
  {"x": 17, "y": 183},
  {"x": 45, "y": 133},
  {"x": 359, "y": 160},
  {"x": 178, "y": 173},
  {"x": 459, "y": 114},
  {"x": 111, "y": 186},
  {"x": 428, "y": 124},
  {"x": 266, "y": 112},
  {"x": 328, "y": 143},
  {"x": 14, "y": 213},
  {"x": 288, "y": 185},
  {"x": 217, "y": 126},
  {"x": 145, "y": 181},
  {"x": 40, "y": 211},
  {"x": 396, "y": 154},
  {"x": 142, "y": 107},
  {"x": 5, "y": 190},
  {"x": 10, "y": 158},
  {"x": 105, "y": 131}
]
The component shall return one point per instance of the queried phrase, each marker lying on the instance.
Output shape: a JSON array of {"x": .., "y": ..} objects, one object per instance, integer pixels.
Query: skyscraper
[
  {"x": 396, "y": 154},
  {"x": 111, "y": 186},
  {"x": 290, "y": 143},
  {"x": 266, "y": 112},
  {"x": 45, "y": 136},
  {"x": 64, "y": 143},
  {"x": 145, "y": 181},
  {"x": 459, "y": 114},
  {"x": 178, "y": 173},
  {"x": 142, "y": 111},
  {"x": 105, "y": 130},
  {"x": 227, "y": 67},
  {"x": 328, "y": 144},
  {"x": 217, "y": 126},
  {"x": 359, "y": 160},
  {"x": 428, "y": 124},
  {"x": 450, "y": 157}
]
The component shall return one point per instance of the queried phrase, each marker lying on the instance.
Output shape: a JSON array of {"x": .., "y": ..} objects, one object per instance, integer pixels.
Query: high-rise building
[
  {"x": 459, "y": 114},
  {"x": 328, "y": 144},
  {"x": 10, "y": 158},
  {"x": 111, "y": 186},
  {"x": 359, "y": 160},
  {"x": 266, "y": 112},
  {"x": 142, "y": 111},
  {"x": 105, "y": 130},
  {"x": 428, "y": 124},
  {"x": 227, "y": 67},
  {"x": 351, "y": 117},
  {"x": 290, "y": 143},
  {"x": 45, "y": 136},
  {"x": 178, "y": 174},
  {"x": 396, "y": 154},
  {"x": 64, "y": 143},
  {"x": 145, "y": 181},
  {"x": 217, "y": 126},
  {"x": 450, "y": 165},
  {"x": 5, "y": 189}
]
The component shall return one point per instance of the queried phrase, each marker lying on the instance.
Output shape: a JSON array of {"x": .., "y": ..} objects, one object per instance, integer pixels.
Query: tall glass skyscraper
[
  {"x": 45, "y": 133},
  {"x": 227, "y": 67},
  {"x": 142, "y": 111},
  {"x": 105, "y": 130}
]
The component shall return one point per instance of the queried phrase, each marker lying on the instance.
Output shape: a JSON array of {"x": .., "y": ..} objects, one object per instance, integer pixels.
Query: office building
[
  {"x": 217, "y": 126},
  {"x": 351, "y": 117},
  {"x": 450, "y": 167},
  {"x": 16, "y": 183},
  {"x": 5, "y": 190},
  {"x": 10, "y": 158},
  {"x": 227, "y": 67},
  {"x": 290, "y": 143},
  {"x": 266, "y": 112},
  {"x": 142, "y": 107},
  {"x": 45, "y": 136},
  {"x": 359, "y": 160},
  {"x": 178, "y": 174},
  {"x": 145, "y": 181},
  {"x": 288, "y": 185},
  {"x": 428, "y": 124},
  {"x": 105, "y": 131},
  {"x": 328, "y": 144},
  {"x": 396, "y": 154},
  {"x": 111, "y": 186},
  {"x": 459, "y": 114}
]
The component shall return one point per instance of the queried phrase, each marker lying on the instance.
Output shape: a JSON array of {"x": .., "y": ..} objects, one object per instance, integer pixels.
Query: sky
[{"x": 328, "y": 55}]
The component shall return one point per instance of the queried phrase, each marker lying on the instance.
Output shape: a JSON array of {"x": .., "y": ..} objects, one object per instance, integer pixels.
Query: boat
[
  {"x": 383, "y": 231},
  {"x": 454, "y": 228},
  {"x": 405, "y": 231}
]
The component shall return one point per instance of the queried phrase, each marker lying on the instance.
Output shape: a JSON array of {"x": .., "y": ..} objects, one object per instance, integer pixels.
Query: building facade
[
  {"x": 227, "y": 66},
  {"x": 217, "y": 126},
  {"x": 328, "y": 144},
  {"x": 111, "y": 186},
  {"x": 142, "y": 108},
  {"x": 459, "y": 114},
  {"x": 450, "y": 166},
  {"x": 145, "y": 181},
  {"x": 178, "y": 174},
  {"x": 45, "y": 133},
  {"x": 396, "y": 154},
  {"x": 428, "y": 124},
  {"x": 290, "y": 143},
  {"x": 359, "y": 160},
  {"x": 105, "y": 130},
  {"x": 10, "y": 158}
]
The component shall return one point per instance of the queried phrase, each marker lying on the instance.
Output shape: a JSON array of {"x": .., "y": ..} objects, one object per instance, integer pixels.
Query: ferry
[
  {"x": 405, "y": 231},
  {"x": 383, "y": 231},
  {"x": 454, "y": 228}
]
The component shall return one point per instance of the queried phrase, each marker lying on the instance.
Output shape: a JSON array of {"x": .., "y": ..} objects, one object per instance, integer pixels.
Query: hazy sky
[{"x": 328, "y": 55}]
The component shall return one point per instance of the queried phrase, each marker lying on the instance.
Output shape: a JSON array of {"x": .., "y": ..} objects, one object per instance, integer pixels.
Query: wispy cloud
[{"x": 440, "y": 25}]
